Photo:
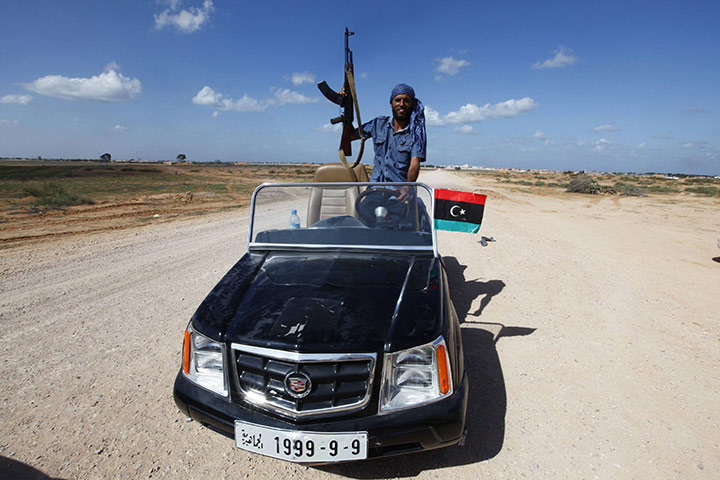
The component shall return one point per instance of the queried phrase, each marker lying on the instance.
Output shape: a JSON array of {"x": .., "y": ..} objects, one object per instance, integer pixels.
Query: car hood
[{"x": 326, "y": 302}]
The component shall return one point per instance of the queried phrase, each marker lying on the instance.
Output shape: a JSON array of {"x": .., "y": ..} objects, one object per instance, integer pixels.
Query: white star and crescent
[{"x": 452, "y": 211}]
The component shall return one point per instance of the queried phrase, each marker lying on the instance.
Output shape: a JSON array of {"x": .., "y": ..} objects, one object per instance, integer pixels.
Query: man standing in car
[{"x": 400, "y": 141}]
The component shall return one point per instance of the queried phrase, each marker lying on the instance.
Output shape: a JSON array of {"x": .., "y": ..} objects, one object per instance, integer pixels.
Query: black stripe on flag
[{"x": 459, "y": 211}]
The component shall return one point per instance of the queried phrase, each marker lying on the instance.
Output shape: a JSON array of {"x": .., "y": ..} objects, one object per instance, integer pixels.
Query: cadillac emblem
[{"x": 297, "y": 384}]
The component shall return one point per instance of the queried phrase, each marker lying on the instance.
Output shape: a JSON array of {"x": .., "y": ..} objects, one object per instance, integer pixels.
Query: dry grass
[
  {"x": 40, "y": 199},
  {"x": 548, "y": 182}
]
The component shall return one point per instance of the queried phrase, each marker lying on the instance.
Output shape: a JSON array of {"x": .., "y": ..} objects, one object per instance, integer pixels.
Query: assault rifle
[{"x": 347, "y": 99}]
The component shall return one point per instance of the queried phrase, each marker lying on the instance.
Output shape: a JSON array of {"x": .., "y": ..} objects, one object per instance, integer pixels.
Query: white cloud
[
  {"x": 701, "y": 146},
  {"x": 563, "y": 57},
  {"x": 207, "y": 97},
  {"x": 109, "y": 86},
  {"x": 9, "y": 123},
  {"x": 173, "y": 4},
  {"x": 185, "y": 21},
  {"x": 432, "y": 117},
  {"x": 466, "y": 129},
  {"x": 243, "y": 104},
  {"x": 608, "y": 127},
  {"x": 19, "y": 99},
  {"x": 450, "y": 66},
  {"x": 298, "y": 78},
  {"x": 540, "y": 135},
  {"x": 329, "y": 127},
  {"x": 472, "y": 113},
  {"x": 283, "y": 96},
  {"x": 601, "y": 144},
  {"x": 118, "y": 128}
]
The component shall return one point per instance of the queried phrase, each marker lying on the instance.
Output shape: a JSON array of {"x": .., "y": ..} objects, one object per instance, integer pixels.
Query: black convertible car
[{"x": 335, "y": 341}]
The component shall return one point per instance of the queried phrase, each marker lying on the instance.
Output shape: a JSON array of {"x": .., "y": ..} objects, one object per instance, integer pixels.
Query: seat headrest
[{"x": 334, "y": 172}]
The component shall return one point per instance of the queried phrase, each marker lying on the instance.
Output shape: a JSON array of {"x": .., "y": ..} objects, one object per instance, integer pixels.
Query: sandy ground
[{"x": 591, "y": 331}]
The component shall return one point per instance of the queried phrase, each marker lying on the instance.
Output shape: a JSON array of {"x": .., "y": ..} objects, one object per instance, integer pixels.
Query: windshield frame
[{"x": 253, "y": 246}]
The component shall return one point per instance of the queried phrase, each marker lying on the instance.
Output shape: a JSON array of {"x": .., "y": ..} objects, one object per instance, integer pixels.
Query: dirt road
[{"x": 591, "y": 330}]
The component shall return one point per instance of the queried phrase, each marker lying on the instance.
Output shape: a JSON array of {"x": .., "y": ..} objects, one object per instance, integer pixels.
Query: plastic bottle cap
[{"x": 293, "y": 211}]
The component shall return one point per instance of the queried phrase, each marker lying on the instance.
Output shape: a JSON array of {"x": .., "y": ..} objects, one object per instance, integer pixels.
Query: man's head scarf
[{"x": 417, "y": 117}]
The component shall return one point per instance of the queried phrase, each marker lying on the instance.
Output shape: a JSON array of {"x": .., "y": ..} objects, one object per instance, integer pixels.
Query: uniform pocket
[
  {"x": 380, "y": 137},
  {"x": 405, "y": 147},
  {"x": 402, "y": 157}
]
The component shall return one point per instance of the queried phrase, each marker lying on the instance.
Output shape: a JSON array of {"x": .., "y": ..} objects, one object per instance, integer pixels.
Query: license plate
[{"x": 298, "y": 446}]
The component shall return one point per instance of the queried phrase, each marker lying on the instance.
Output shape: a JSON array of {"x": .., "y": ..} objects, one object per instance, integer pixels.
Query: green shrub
[
  {"x": 662, "y": 189},
  {"x": 631, "y": 191},
  {"x": 702, "y": 190},
  {"x": 585, "y": 184},
  {"x": 54, "y": 195},
  {"x": 696, "y": 180}
]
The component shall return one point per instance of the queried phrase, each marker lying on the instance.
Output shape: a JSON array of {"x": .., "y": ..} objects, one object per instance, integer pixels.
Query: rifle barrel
[{"x": 348, "y": 52}]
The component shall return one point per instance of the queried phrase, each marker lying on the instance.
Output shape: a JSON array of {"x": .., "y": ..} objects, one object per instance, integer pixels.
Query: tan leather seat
[{"x": 326, "y": 202}]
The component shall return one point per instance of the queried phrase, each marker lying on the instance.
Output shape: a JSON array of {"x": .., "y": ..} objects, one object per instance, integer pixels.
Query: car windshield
[{"x": 395, "y": 216}]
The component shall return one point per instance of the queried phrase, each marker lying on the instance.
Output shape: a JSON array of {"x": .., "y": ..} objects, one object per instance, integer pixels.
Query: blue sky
[{"x": 612, "y": 85}]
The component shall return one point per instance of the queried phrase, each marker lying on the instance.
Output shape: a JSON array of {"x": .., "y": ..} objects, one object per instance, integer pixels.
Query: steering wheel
[{"x": 373, "y": 198}]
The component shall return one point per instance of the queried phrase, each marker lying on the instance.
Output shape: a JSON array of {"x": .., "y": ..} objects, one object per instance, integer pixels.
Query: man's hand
[{"x": 405, "y": 193}]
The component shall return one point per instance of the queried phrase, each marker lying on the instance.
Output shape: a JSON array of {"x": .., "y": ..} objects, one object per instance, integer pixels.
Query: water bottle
[{"x": 294, "y": 219}]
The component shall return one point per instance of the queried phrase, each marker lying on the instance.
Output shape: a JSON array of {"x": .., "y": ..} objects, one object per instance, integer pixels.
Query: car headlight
[
  {"x": 415, "y": 376},
  {"x": 203, "y": 362}
]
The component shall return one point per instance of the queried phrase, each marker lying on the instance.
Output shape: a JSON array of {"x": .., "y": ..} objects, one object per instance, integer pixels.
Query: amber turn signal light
[
  {"x": 186, "y": 353},
  {"x": 442, "y": 370}
]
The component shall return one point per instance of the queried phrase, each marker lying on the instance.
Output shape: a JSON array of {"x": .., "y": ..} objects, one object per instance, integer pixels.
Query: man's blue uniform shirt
[{"x": 393, "y": 150}]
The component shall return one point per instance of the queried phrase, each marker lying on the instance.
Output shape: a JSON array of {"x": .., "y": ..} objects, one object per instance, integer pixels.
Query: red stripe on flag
[{"x": 468, "y": 197}]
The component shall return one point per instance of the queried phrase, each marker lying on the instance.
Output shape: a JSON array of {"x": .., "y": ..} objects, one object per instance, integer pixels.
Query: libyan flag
[{"x": 458, "y": 211}]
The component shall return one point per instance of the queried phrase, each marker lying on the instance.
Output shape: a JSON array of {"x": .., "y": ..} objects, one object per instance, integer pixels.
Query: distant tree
[
  {"x": 105, "y": 157},
  {"x": 181, "y": 157}
]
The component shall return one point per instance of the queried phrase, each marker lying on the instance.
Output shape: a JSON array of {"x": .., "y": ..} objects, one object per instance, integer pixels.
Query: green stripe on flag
[{"x": 456, "y": 226}]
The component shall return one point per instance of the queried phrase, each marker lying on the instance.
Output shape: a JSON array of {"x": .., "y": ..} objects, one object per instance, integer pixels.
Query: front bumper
[{"x": 436, "y": 425}]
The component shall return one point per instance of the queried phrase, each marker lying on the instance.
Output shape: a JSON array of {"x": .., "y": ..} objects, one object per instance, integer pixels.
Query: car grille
[{"x": 339, "y": 383}]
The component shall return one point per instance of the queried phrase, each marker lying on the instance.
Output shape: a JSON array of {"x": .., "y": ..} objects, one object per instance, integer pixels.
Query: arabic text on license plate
[{"x": 301, "y": 446}]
